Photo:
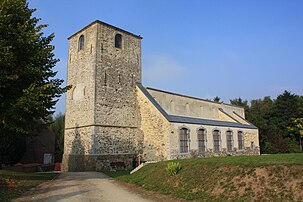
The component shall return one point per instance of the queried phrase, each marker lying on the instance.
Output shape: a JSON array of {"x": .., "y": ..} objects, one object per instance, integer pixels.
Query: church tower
[{"x": 102, "y": 117}]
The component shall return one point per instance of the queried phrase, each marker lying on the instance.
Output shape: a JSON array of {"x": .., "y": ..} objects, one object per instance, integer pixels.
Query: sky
[{"x": 237, "y": 48}]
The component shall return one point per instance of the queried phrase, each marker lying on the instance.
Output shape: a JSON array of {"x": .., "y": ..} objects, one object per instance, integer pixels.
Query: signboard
[{"x": 47, "y": 158}]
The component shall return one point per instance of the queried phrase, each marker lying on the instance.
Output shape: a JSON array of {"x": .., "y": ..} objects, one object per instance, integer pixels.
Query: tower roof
[{"x": 103, "y": 23}]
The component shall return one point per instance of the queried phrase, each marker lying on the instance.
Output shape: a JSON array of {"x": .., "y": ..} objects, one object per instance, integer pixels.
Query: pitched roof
[
  {"x": 100, "y": 22},
  {"x": 191, "y": 97},
  {"x": 190, "y": 120}
]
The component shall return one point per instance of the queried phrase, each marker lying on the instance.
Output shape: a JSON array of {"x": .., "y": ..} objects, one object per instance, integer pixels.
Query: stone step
[{"x": 141, "y": 166}]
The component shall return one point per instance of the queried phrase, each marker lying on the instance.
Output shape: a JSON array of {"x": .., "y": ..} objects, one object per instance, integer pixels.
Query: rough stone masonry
[{"x": 111, "y": 118}]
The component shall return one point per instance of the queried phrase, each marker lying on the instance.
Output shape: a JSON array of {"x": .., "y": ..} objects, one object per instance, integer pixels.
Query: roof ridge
[
  {"x": 178, "y": 94},
  {"x": 104, "y": 23}
]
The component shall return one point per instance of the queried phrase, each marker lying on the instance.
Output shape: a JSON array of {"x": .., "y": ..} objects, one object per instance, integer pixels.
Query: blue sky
[{"x": 247, "y": 49}]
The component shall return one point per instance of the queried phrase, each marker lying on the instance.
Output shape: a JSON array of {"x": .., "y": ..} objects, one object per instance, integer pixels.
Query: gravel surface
[{"x": 83, "y": 186}]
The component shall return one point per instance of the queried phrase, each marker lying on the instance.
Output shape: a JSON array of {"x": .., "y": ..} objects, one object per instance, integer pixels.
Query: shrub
[{"x": 173, "y": 168}]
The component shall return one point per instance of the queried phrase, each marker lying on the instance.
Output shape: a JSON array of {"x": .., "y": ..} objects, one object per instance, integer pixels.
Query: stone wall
[
  {"x": 102, "y": 115},
  {"x": 117, "y": 71},
  {"x": 156, "y": 129},
  {"x": 250, "y": 135},
  {"x": 180, "y": 105},
  {"x": 109, "y": 120},
  {"x": 80, "y": 76},
  {"x": 161, "y": 138}
]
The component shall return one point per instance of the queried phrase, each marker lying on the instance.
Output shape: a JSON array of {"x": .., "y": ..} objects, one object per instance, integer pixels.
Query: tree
[
  {"x": 297, "y": 130},
  {"x": 259, "y": 114},
  {"x": 57, "y": 126},
  {"x": 239, "y": 102},
  {"x": 217, "y": 99},
  {"x": 286, "y": 106},
  {"x": 28, "y": 89}
]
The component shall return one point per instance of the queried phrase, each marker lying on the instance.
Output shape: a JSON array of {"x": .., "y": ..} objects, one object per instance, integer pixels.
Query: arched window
[
  {"x": 229, "y": 140},
  {"x": 184, "y": 140},
  {"x": 201, "y": 140},
  {"x": 217, "y": 140},
  {"x": 118, "y": 41},
  {"x": 240, "y": 140},
  {"x": 81, "y": 42}
]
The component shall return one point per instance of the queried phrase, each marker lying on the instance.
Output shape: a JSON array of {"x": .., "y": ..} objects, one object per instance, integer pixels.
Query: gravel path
[{"x": 83, "y": 186}]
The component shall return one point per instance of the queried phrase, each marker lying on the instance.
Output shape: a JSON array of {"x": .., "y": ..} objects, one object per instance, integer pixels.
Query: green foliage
[
  {"x": 28, "y": 89},
  {"x": 12, "y": 147},
  {"x": 57, "y": 126},
  {"x": 173, "y": 168},
  {"x": 274, "y": 118},
  {"x": 296, "y": 129},
  {"x": 217, "y": 99},
  {"x": 239, "y": 102}
]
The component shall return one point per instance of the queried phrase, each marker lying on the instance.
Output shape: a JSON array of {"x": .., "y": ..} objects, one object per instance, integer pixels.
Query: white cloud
[{"x": 161, "y": 68}]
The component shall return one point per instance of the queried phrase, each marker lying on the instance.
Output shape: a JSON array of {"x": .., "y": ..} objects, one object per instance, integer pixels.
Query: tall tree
[
  {"x": 286, "y": 106},
  {"x": 259, "y": 114},
  {"x": 28, "y": 89}
]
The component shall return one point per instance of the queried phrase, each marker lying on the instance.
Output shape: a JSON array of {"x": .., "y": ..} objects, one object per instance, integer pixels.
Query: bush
[{"x": 173, "y": 168}]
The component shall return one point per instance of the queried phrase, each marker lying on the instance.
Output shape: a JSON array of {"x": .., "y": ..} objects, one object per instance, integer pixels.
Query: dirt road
[{"x": 83, "y": 186}]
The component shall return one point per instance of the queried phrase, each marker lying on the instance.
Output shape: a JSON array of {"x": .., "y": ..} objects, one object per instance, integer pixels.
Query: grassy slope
[
  {"x": 13, "y": 184},
  {"x": 267, "y": 177}
]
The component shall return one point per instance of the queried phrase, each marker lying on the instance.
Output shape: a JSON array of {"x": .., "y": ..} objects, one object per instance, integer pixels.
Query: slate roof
[{"x": 191, "y": 120}]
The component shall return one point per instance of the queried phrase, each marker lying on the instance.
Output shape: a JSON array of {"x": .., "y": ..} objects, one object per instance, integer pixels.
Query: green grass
[
  {"x": 245, "y": 178},
  {"x": 13, "y": 184}
]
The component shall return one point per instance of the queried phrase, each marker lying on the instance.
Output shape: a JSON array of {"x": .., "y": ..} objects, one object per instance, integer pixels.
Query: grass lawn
[
  {"x": 277, "y": 177},
  {"x": 13, "y": 184}
]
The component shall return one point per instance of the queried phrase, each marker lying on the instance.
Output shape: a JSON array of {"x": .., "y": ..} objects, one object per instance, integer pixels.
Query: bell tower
[{"x": 102, "y": 117}]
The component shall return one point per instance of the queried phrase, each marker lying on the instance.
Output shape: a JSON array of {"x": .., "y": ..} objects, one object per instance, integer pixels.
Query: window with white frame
[
  {"x": 229, "y": 140},
  {"x": 184, "y": 140},
  {"x": 240, "y": 140},
  {"x": 217, "y": 140},
  {"x": 201, "y": 133}
]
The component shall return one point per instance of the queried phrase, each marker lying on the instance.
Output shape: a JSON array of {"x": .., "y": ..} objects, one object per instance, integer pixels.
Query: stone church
[{"x": 111, "y": 118}]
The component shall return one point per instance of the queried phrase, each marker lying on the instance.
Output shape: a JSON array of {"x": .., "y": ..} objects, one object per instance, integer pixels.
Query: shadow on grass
[{"x": 13, "y": 184}]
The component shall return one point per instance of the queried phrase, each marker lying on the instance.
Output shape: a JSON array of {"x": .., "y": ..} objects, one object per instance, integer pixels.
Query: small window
[
  {"x": 202, "y": 140},
  {"x": 229, "y": 140},
  {"x": 217, "y": 140},
  {"x": 184, "y": 140},
  {"x": 118, "y": 41},
  {"x": 81, "y": 42},
  {"x": 240, "y": 140}
]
